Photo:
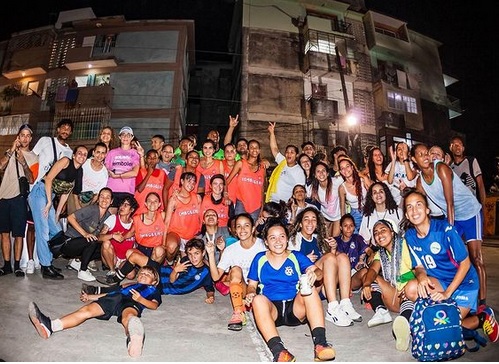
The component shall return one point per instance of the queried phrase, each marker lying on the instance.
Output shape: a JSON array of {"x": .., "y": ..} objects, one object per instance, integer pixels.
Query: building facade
[
  {"x": 98, "y": 72},
  {"x": 309, "y": 65}
]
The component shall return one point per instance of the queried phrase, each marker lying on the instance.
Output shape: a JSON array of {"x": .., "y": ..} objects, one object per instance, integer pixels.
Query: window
[
  {"x": 319, "y": 91},
  {"x": 320, "y": 42},
  {"x": 402, "y": 103}
]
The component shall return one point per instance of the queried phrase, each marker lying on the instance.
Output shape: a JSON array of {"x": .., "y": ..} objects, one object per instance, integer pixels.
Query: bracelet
[{"x": 8, "y": 153}]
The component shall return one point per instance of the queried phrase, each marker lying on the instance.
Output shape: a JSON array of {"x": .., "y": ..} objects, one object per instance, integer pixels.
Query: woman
[
  {"x": 209, "y": 166},
  {"x": 117, "y": 235},
  {"x": 305, "y": 162},
  {"x": 400, "y": 171},
  {"x": 296, "y": 203},
  {"x": 64, "y": 175},
  {"x": 192, "y": 161},
  {"x": 229, "y": 162},
  {"x": 384, "y": 282},
  {"x": 277, "y": 272},
  {"x": 323, "y": 191},
  {"x": 376, "y": 166},
  {"x": 84, "y": 228},
  {"x": 250, "y": 177},
  {"x": 461, "y": 208},
  {"x": 308, "y": 236},
  {"x": 217, "y": 202},
  {"x": 442, "y": 266},
  {"x": 352, "y": 191},
  {"x": 183, "y": 217},
  {"x": 108, "y": 137},
  {"x": 379, "y": 205},
  {"x": 232, "y": 269}
]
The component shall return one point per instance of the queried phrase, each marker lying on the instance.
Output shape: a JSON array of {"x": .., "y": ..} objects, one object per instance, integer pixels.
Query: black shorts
[
  {"x": 285, "y": 315},
  {"x": 118, "y": 197},
  {"x": 14, "y": 216},
  {"x": 114, "y": 305}
]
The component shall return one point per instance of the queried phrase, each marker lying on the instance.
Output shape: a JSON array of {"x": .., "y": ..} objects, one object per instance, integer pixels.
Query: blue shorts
[
  {"x": 466, "y": 295},
  {"x": 471, "y": 229}
]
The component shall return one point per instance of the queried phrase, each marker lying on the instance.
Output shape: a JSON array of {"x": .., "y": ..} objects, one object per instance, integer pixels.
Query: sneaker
[
  {"x": 487, "y": 309},
  {"x": 85, "y": 275},
  {"x": 19, "y": 273},
  {"x": 402, "y": 332},
  {"x": 284, "y": 356},
  {"x": 42, "y": 323},
  {"x": 109, "y": 280},
  {"x": 88, "y": 288},
  {"x": 490, "y": 327},
  {"x": 136, "y": 337},
  {"x": 92, "y": 266},
  {"x": 74, "y": 264},
  {"x": 236, "y": 321},
  {"x": 381, "y": 316},
  {"x": 347, "y": 308},
  {"x": 324, "y": 352},
  {"x": 337, "y": 316},
  {"x": 30, "y": 268}
]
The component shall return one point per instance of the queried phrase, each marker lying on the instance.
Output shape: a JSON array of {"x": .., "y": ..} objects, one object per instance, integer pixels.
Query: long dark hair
[
  {"x": 315, "y": 183},
  {"x": 357, "y": 182},
  {"x": 370, "y": 164},
  {"x": 320, "y": 230},
  {"x": 369, "y": 204}
]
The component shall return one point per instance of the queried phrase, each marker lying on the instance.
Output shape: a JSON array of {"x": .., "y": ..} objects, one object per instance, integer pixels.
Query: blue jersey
[
  {"x": 309, "y": 246},
  {"x": 440, "y": 252},
  {"x": 186, "y": 282},
  {"x": 279, "y": 284},
  {"x": 147, "y": 291},
  {"x": 354, "y": 248}
]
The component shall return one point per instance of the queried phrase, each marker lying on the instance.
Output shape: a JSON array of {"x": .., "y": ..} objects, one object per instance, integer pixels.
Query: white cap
[{"x": 126, "y": 129}]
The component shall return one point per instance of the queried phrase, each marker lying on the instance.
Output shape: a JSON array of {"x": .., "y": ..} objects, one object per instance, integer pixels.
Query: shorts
[
  {"x": 118, "y": 198},
  {"x": 471, "y": 229},
  {"x": 285, "y": 315},
  {"x": 147, "y": 251},
  {"x": 466, "y": 295},
  {"x": 114, "y": 304},
  {"x": 14, "y": 216},
  {"x": 222, "y": 288},
  {"x": 120, "y": 249}
]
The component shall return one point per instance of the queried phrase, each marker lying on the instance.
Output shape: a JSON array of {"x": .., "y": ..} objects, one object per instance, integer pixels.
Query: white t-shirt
[
  {"x": 93, "y": 180},
  {"x": 289, "y": 178},
  {"x": 367, "y": 224},
  {"x": 45, "y": 152},
  {"x": 330, "y": 209},
  {"x": 399, "y": 176},
  {"x": 236, "y": 255},
  {"x": 111, "y": 221}
]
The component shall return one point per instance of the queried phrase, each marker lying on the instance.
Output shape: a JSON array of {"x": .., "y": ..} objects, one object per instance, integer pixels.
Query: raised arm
[
  {"x": 233, "y": 122},
  {"x": 273, "y": 141},
  {"x": 445, "y": 174}
]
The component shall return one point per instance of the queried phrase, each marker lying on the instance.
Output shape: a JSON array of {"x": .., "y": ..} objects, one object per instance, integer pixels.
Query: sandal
[{"x": 19, "y": 273}]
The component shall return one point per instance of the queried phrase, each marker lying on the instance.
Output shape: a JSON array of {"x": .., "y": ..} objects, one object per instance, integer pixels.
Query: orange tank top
[
  {"x": 222, "y": 210},
  {"x": 149, "y": 235},
  {"x": 186, "y": 219},
  {"x": 209, "y": 172},
  {"x": 232, "y": 187},
  {"x": 250, "y": 186},
  {"x": 176, "y": 181},
  {"x": 155, "y": 183}
]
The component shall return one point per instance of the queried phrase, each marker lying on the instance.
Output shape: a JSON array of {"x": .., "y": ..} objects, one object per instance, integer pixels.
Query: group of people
[{"x": 175, "y": 219}]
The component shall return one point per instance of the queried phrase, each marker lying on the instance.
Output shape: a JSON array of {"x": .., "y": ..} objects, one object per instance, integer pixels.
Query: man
[
  {"x": 157, "y": 142},
  {"x": 49, "y": 151},
  {"x": 288, "y": 172},
  {"x": 16, "y": 162},
  {"x": 185, "y": 146},
  {"x": 215, "y": 137},
  {"x": 467, "y": 168},
  {"x": 241, "y": 143}
]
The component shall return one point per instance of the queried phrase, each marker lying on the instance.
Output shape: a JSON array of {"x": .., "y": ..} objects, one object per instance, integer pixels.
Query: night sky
[{"x": 466, "y": 30}]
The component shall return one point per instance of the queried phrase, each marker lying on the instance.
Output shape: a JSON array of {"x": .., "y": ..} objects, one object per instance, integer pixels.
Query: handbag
[
  {"x": 57, "y": 242},
  {"x": 23, "y": 183}
]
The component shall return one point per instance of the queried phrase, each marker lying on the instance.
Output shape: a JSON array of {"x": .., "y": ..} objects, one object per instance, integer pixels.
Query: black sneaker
[
  {"x": 88, "y": 288},
  {"x": 19, "y": 273},
  {"x": 41, "y": 322},
  {"x": 109, "y": 280},
  {"x": 4, "y": 271}
]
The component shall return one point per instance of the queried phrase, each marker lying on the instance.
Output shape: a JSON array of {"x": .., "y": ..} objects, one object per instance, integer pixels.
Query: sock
[
  {"x": 7, "y": 267},
  {"x": 57, "y": 325},
  {"x": 376, "y": 300},
  {"x": 319, "y": 336},
  {"x": 481, "y": 319},
  {"x": 236, "y": 296},
  {"x": 482, "y": 302},
  {"x": 406, "y": 308},
  {"x": 275, "y": 345},
  {"x": 124, "y": 270},
  {"x": 17, "y": 265}
]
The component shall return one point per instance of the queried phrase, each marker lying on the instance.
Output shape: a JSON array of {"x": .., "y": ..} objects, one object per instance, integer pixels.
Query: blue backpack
[{"x": 436, "y": 330}]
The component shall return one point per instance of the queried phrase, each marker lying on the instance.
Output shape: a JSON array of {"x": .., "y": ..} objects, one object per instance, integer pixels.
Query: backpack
[{"x": 436, "y": 330}]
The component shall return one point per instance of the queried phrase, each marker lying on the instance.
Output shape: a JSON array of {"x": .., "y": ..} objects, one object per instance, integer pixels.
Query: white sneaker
[
  {"x": 402, "y": 332},
  {"x": 74, "y": 264},
  {"x": 347, "y": 307},
  {"x": 85, "y": 275},
  {"x": 30, "y": 268},
  {"x": 381, "y": 316},
  {"x": 92, "y": 266},
  {"x": 335, "y": 314}
]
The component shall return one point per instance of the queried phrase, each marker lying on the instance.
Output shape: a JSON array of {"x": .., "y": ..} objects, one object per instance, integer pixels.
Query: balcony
[
  {"x": 84, "y": 57},
  {"x": 84, "y": 97},
  {"x": 27, "y": 63}
]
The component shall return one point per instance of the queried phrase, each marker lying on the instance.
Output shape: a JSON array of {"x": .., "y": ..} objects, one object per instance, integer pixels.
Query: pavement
[{"x": 185, "y": 329}]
